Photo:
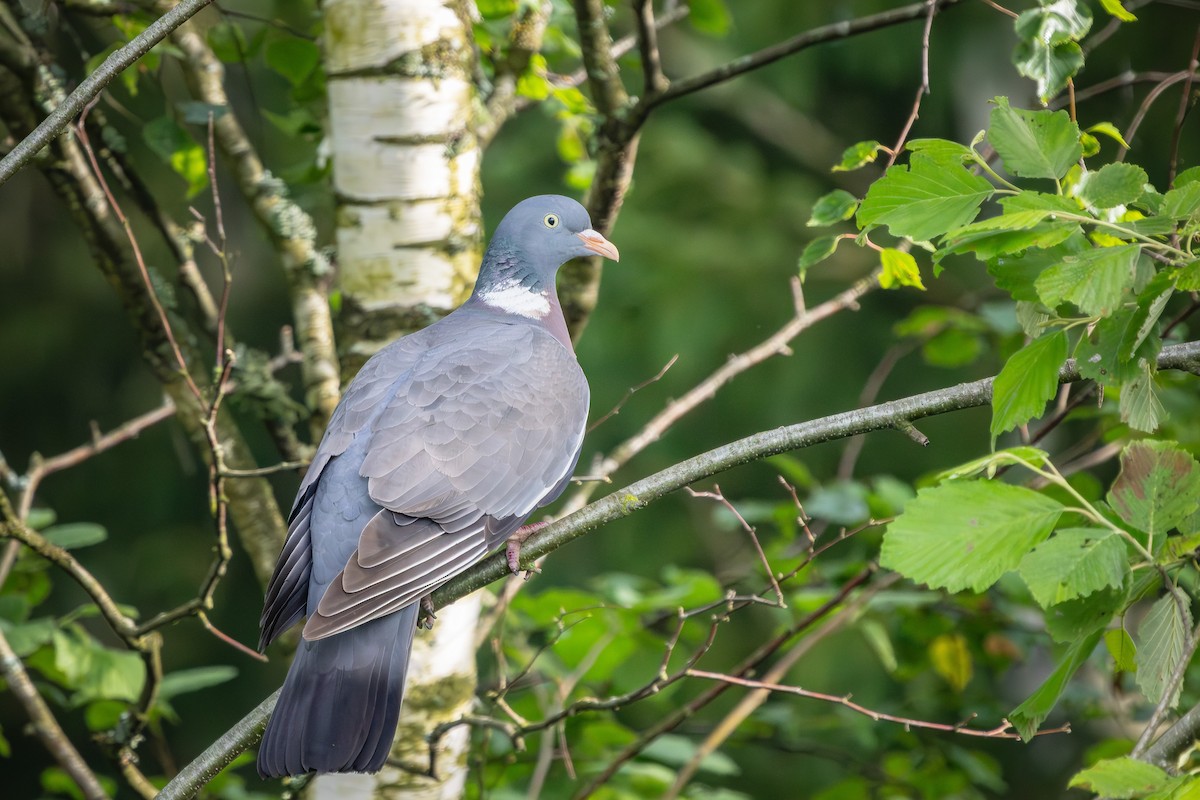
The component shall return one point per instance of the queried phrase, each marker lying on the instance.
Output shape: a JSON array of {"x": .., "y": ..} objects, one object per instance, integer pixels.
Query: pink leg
[{"x": 513, "y": 550}]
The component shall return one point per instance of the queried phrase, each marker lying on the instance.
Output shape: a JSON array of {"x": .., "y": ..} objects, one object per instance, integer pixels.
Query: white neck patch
[{"x": 514, "y": 298}]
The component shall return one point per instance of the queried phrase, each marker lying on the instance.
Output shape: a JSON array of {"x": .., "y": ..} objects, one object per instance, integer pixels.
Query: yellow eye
[{"x": 550, "y": 220}]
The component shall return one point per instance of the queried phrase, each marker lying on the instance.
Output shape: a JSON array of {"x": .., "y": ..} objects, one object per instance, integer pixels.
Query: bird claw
[
  {"x": 512, "y": 550},
  {"x": 426, "y": 617}
]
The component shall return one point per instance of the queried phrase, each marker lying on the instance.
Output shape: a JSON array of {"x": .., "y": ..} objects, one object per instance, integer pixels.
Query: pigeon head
[{"x": 533, "y": 240}]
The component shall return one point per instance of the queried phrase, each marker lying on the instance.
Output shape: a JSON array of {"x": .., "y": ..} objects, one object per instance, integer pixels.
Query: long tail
[{"x": 341, "y": 700}]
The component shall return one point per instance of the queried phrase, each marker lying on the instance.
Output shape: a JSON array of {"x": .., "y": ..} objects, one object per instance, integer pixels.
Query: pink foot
[{"x": 512, "y": 550}]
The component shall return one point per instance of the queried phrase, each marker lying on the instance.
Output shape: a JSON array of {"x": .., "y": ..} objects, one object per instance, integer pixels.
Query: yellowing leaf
[
  {"x": 899, "y": 269},
  {"x": 952, "y": 659}
]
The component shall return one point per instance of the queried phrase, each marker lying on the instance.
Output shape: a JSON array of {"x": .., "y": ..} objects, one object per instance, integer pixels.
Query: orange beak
[{"x": 598, "y": 244}]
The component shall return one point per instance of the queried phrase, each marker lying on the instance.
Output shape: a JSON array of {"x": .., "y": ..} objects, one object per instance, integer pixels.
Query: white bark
[
  {"x": 406, "y": 172},
  {"x": 406, "y": 164}
]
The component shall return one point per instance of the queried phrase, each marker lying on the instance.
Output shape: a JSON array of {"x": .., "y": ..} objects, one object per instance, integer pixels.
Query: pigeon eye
[{"x": 550, "y": 220}]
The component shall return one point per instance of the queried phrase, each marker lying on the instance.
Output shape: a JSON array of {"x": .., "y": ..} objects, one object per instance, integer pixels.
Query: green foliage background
[{"x": 710, "y": 236}]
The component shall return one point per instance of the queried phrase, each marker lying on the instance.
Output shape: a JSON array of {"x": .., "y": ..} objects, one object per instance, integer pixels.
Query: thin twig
[
  {"x": 1001, "y": 731},
  {"x": 1154, "y": 94},
  {"x": 922, "y": 90},
  {"x": 1181, "y": 115},
  {"x": 653, "y": 79},
  {"x": 630, "y": 392},
  {"x": 718, "y": 496},
  {"x": 1171, "y": 688}
]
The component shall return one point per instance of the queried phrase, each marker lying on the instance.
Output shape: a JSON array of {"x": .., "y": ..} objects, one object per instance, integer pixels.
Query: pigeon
[{"x": 441, "y": 447}]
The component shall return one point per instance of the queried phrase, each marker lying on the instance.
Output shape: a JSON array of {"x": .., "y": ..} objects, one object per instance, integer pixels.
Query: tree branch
[
  {"x": 769, "y": 55},
  {"x": 638, "y": 495},
  {"x": 114, "y": 65},
  {"x": 45, "y": 725}
]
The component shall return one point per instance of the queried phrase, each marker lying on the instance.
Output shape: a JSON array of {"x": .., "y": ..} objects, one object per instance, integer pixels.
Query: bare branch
[
  {"x": 1155, "y": 93},
  {"x": 1185, "y": 102},
  {"x": 1001, "y": 731},
  {"x": 653, "y": 78},
  {"x": 769, "y": 55},
  {"x": 90, "y": 87},
  {"x": 718, "y": 496},
  {"x": 922, "y": 90}
]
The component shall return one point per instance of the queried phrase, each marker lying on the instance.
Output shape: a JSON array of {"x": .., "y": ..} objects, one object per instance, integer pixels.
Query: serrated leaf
[
  {"x": 1119, "y": 11},
  {"x": 96, "y": 672},
  {"x": 965, "y": 535},
  {"x": 1028, "y": 716},
  {"x": 1027, "y": 382},
  {"x": 1050, "y": 66},
  {"x": 941, "y": 149},
  {"x": 858, "y": 155},
  {"x": 925, "y": 199},
  {"x": 817, "y": 251},
  {"x": 1140, "y": 407},
  {"x": 1121, "y": 647},
  {"x": 1100, "y": 353},
  {"x": 1112, "y": 185},
  {"x": 1111, "y": 131},
  {"x": 1071, "y": 620},
  {"x": 1121, "y": 778},
  {"x": 951, "y": 659},
  {"x": 1074, "y": 562},
  {"x": 1162, "y": 637},
  {"x": 1158, "y": 486},
  {"x": 293, "y": 58},
  {"x": 75, "y": 535},
  {"x": 1034, "y": 144},
  {"x": 1181, "y": 202},
  {"x": 1093, "y": 280},
  {"x": 834, "y": 207},
  {"x": 899, "y": 269}
]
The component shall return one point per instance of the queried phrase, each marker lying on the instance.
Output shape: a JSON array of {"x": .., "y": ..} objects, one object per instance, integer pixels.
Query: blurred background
[{"x": 709, "y": 235}]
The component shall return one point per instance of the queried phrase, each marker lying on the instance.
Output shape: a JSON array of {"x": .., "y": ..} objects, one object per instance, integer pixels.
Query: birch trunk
[{"x": 406, "y": 173}]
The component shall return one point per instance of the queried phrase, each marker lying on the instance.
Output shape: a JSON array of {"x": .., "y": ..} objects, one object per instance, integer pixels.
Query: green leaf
[
  {"x": 228, "y": 42},
  {"x": 710, "y": 16},
  {"x": 1027, "y": 382},
  {"x": 1071, "y": 620},
  {"x": 76, "y": 534},
  {"x": 1158, "y": 486},
  {"x": 858, "y": 155},
  {"x": 1074, "y": 562},
  {"x": 1121, "y": 778},
  {"x": 1109, "y": 130},
  {"x": 1034, "y": 144},
  {"x": 676, "y": 751},
  {"x": 1028, "y": 716},
  {"x": 1093, "y": 280},
  {"x": 817, "y": 251},
  {"x": 96, "y": 672},
  {"x": 193, "y": 680},
  {"x": 987, "y": 465},
  {"x": 1048, "y": 65},
  {"x": 1107, "y": 355},
  {"x": 965, "y": 535},
  {"x": 175, "y": 146},
  {"x": 952, "y": 348},
  {"x": 1119, "y": 11},
  {"x": 834, "y": 207},
  {"x": 1048, "y": 51},
  {"x": 1181, "y": 202},
  {"x": 940, "y": 149},
  {"x": 1112, "y": 185},
  {"x": 1140, "y": 407},
  {"x": 293, "y": 58},
  {"x": 1121, "y": 648},
  {"x": 496, "y": 9},
  {"x": 899, "y": 269},
  {"x": 1162, "y": 636},
  {"x": 1187, "y": 279},
  {"x": 924, "y": 200}
]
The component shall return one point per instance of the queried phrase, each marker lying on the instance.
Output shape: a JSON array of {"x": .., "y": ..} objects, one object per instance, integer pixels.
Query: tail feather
[{"x": 341, "y": 700}]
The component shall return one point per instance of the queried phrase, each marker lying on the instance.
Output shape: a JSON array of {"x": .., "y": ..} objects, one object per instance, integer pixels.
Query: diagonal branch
[
  {"x": 769, "y": 55},
  {"x": 622, "y": 503},
  {"x": 90, "y": 88}
]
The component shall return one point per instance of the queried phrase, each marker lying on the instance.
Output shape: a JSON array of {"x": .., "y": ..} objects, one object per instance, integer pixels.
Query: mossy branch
[{"x": 891, "y": 415}]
